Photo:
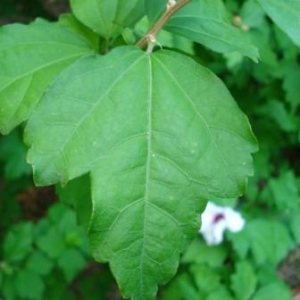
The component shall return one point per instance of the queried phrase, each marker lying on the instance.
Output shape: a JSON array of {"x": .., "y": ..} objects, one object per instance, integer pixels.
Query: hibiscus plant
[{"x": 121, "y": 109}]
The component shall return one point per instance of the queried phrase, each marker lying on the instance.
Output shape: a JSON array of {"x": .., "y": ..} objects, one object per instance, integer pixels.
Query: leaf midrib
[{"x": 148, "y": 173}]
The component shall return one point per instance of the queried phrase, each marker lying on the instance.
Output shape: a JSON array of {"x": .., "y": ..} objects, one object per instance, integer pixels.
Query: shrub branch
[{"x": 171, "y": 9}]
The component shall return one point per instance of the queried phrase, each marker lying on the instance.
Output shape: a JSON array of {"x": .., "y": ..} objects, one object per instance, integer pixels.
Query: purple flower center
[{"x": 217, "y": 218}]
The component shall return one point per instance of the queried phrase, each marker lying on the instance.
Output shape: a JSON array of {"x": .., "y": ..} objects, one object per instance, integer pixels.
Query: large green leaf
[
  {"x": 286, "y": 15},
  {"x": 31, "y": 57},
  {"x": 207, "y": 22},
  {"x": 159, "y": 134},
  {"x": 108, "y": 17}
]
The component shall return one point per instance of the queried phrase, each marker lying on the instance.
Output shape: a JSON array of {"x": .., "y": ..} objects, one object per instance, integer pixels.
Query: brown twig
[{"x": 170, "y": 11}]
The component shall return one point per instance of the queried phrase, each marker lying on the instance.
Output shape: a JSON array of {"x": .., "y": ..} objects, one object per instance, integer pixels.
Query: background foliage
[{"x": 42, "y": 247}]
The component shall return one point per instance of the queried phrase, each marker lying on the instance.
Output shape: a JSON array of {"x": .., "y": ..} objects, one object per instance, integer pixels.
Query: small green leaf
[
  {"x": 206, "y": 22},
  {"x": 128, "y": 36},
  {"x": 181, "y": 288},
  {"x": 170, "y": 40},
  {"x": 206, "y": 278},
  {"x": 252, "y": 14},
  {"x": 158, "y": 134},
  {"x": 39, "y": 263},
  {"x": 56, "y": 213},
  {"x": 78, "y": 194},
  {"x": 240, "y": 243},
  {"x": 108, "y": 17},
  {"x": 286, "y": 16},
  {"x": 31, "y": 56},
  {"x": 13, "y": 153},
  {"x": 277, "y": 290},
  {"x": 69, "y": 22},
  {"x": 243, "y": 281},
  {"x": 18, "y": 242},
  {"x": 269, "y": 241},
  {"x": 8, "y": 289},
  {"x": 285, "y": 192},
  {"x": 29, "y": 285},
  {"x": 219, "y": 294},
  {"x": 52, "y": 243},
  {"x": 199, "y": 252},
  {"x": 67, "y": 223},
  {"x": 277, "y": 111},
  {"x": 187, "y": 289},
  {"x": 260, "y": 37},
  {"x": 71, "y": 262}
]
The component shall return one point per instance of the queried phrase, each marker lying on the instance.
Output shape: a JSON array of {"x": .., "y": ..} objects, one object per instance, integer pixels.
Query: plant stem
[{"x": 170, "y": 11}]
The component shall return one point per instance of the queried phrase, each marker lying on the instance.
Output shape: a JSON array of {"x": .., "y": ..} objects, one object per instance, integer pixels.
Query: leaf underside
[{"x": 159, "y": 134}]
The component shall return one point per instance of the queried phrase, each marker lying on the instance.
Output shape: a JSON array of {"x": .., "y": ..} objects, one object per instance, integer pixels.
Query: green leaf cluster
[
  {"x": 229, "y": 271},
  {"x": 35, "y": 255}
]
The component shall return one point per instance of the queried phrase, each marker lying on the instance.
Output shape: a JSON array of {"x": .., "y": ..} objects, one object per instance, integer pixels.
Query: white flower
[{"x": 216, "y": 219}]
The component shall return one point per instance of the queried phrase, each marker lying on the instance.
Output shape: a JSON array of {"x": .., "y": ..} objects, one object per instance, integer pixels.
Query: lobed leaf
[
  {"x": 286, "y": 15},
  {"x": 206, "y": 22},
  {"x": 108, "y": 17},
  {"x": 158, "y": 134},
  {"x": 31, "y": 57}
]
